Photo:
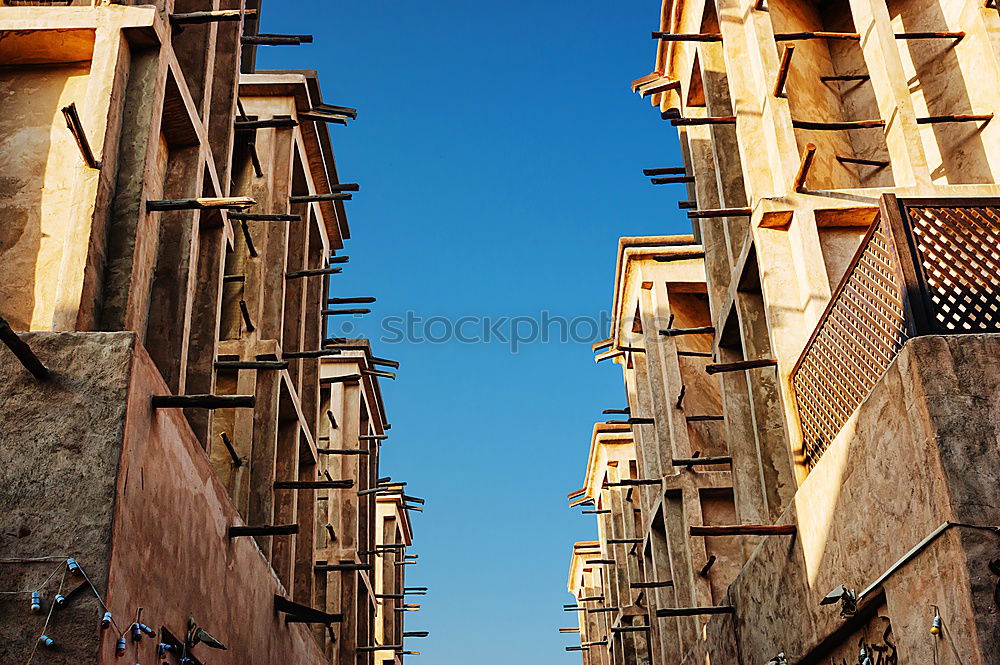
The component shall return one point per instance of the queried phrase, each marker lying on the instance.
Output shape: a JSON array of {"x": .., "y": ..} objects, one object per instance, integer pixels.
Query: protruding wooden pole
[
  {"x": 801, "y": 36},
  {"x": 343, "y": 451},
  {"x": 254, "y": 217},
  {"x": 740, "y": 366},
  {"x": 957, "y": 36},
  {"x": 266, "y": 530},
  {"x": 800, "y": 178},
  {"x": 22, "y": 351},
  {"x": 783, "y": 67},
  {"x": 268, "y": 123},
  {"x": 203, "y": 401},
  {"x": 688, "y": 37},
  {"x": 196, "y": 18},
  {"x": 651, "y": 585},
  {"x": 673, "y": 180},
  {"x": 361, "y": 300},
  {"x": 248, "y": 239},
  {"x": 251, "y": 364},
  {"x": 76, "y": 128},
  {"x": 701, "y": 461},
  {"x": 345, "y": 312},
  {"x": 837, "y": 126},
  {"x": 695, "y": 122},
  {"x": 245, "y": 313},
  {"x": 314, "y": 198},
  {"x": 276, "y": 40},
  {"x": 845, "y": 77},
  {"x": 234, "y": 456},
  {"x": 313, "y": 484},
  {"x": 939, "y": 119},
  {"x": 745, "y": 530},
  {"x": 313, "y": 273},
  {"x": 675, "y": 332},
  {"x": 217, "y": 203},
  {"x": 695, "y": 611},
  {"x": 720, "y": 212},
  {"x": 878, "y": 163}
]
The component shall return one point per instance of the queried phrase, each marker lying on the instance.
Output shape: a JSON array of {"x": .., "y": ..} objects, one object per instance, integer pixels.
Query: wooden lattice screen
[{"x": 924, "y": 267}]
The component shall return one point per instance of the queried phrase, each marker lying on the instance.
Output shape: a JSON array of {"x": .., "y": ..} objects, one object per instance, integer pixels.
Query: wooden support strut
[
  {"x": 957, "y": 36},
  {"x": 939, "y": 119},
  {"x": 315, "y": 272},
  {"x": 703, "y": 419},
  {"x": 837, "y": 126},
  {"x": 676, "y": 332},
  {"x": 695, "y": 122},
  {"x": 783, "y": 68},
  {"x": 251, "y": 364},
  {"x": 245, "y": 313},
  {"x": 361, "y": 300},
  {"x": 740, "y": 366},
  {"x": 634, "y": 482},
  {"x": 651, "y": 585},
  {"x": 745, "y": 530},
  {"x": 256, "y": 217},
  {"x": 670, "y": 170},
  {"x": 203, "y": 401},
  {"x": 237, "y": 461},
  {"x": 276, "y": 40},
  {"x": 686, "y": 205},
  {"x": 76, "y": 128},
  {"x": 720, "y": 212},
  {"x": 666, "y": 86},
  {"x": 318, "y": 353},
  {"x": 878, "y": 163},
  {"x": 595, "y": 512},
  {"x": 336, "y": 312},
  {"x": 687, "y": 37},
  {"x": 845, "y": 77},
  {"x": 600, "y": 562},
  {"x": 313, "y": 484},
  {"x": 248, "y": 239},
  {"x": 801, "y": 36},
  {"x": 315, "y": 198},
  {"x": 695, "y": 611},
  {"x": 22, "y": 351},
  {"x": 216, "y": 203},
  {"x": 623, "y": 541},
  {"x": 269, "y": 123},
  {"x": 266, "y": 530},
  {"x": 701, "y": 461},
  {"x": 216, "y": 16},
  {"x": 673, "y": 180},
  {"x": 800, "y": 177}
]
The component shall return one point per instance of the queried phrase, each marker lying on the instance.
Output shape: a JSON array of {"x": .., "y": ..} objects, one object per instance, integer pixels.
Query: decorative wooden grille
[
  {"x": 854, "y": 343},
  {"x": 924, "y": 267},
  {"x": 958, "y": 250}
]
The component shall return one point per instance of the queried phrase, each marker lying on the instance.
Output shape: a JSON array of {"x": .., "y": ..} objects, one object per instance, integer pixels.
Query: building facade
[
  {"x": 811, "y": 376},
  {"x": 191, "y": 465}
]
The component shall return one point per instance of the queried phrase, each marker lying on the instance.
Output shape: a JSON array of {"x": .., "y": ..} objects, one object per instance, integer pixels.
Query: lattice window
[
  {"x": 959, "y": 254},
  {"x": 857, "y": 339}
]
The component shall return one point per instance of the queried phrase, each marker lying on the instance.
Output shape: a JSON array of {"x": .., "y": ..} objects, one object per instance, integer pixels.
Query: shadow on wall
[{"x": 38, "y": 167}]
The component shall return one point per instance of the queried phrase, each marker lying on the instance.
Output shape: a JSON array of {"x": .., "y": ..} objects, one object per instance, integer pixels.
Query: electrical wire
[{"x": 48, "y": 618}]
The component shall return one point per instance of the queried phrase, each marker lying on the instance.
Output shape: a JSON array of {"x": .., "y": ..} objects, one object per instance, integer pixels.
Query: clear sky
[{"x": 499, "y": 151}]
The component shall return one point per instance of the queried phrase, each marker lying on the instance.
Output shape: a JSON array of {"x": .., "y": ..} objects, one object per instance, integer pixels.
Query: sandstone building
[
  {"x": 805, "y": 467},
  {"x": 189, "y": 462}
]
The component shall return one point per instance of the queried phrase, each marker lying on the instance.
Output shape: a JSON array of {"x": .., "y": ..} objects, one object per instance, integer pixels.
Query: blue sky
[{"x": 499, "y": 152}]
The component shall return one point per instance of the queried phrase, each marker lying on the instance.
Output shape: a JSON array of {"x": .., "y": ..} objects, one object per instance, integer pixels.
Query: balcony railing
[{"x": 925, "y": 267}]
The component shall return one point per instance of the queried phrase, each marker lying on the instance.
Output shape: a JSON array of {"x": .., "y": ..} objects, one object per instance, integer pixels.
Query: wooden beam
[
  {"x": 600, "y": 562},
  {"x": 745, "y": 530},
  {"x": 703, "y": 419},
  {"x": 670, "y": 170},
  {"x": 652, "y": 585},
  {"x": 957, "y": 36},
  {"x": 801, "y": 36},
  {"x": 251, "y": 364},
  {"x": 837, "y": 126},
  {"x": 22, "y": 351},
  {"x": 256, "y": 217},
  {"x": 939, "y": 119},
  {"x": 676, "y": 332},
  {"x": 318, "y": 353},
  {"x": 360, "y": 300},
  {"x": 673, "y": 180},
  {"x": 203, "y": 401},
  {"x": 268, "y": 123},
  {"x": 740, "y": 366},
  {"x": 688, "y": 37},
  {"x": 76, "y": 128},
  {"x": 313, "y": 484},
  {"x": 878, "y": 163},
  {"x": 314, "y": 198},
  {"x": 245, "y": 313},
  {"x": 315, "y": 272},
  {"x": 701, "y": 461},
  {"x": 720, "y": 212},
  {"x": 629, "y": 629},
  {"x": 807, "y": 160},
  {"x": 343, "y": 451},
  {"x": 623, "y": 541},
  {"x": 696, "y": 122},
  {"x": 783, "y": 67},
  {"x": 248, "y": 239},
  {"x": 210, "y": 203},
  {"x": 276, "y": 40},
  {"x": 337, "y": 312},
  {"x": 346, "y": 378},
  {"x": 845, "y": 77},
  {"x": 708, "y": 566},
  {"x": 266, "y": 530},
  {"x": 695, "y": 611},
  {"x": 682, "y": 256},
  {"x": 234, "y": 456},
  {"x": 197, "y": 18}
]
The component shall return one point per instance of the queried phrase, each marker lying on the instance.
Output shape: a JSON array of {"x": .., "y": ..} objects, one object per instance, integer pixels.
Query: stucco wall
[
  {"x": 921, "y": 450},
  {"x": 90, "y": 470}
]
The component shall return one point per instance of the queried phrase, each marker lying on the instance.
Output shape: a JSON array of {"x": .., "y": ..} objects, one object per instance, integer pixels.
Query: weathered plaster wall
[
  {"x": 59, "y": 446},
  {"x": 91, "y": 471},
  {"x": 171, "y": 553},
  {"x": 921, "y": 450},
  {"x": 39, "y": 162}
]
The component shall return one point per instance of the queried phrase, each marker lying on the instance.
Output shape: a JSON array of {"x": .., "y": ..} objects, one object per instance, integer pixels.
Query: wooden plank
[{"x": 745, "y": 530}]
